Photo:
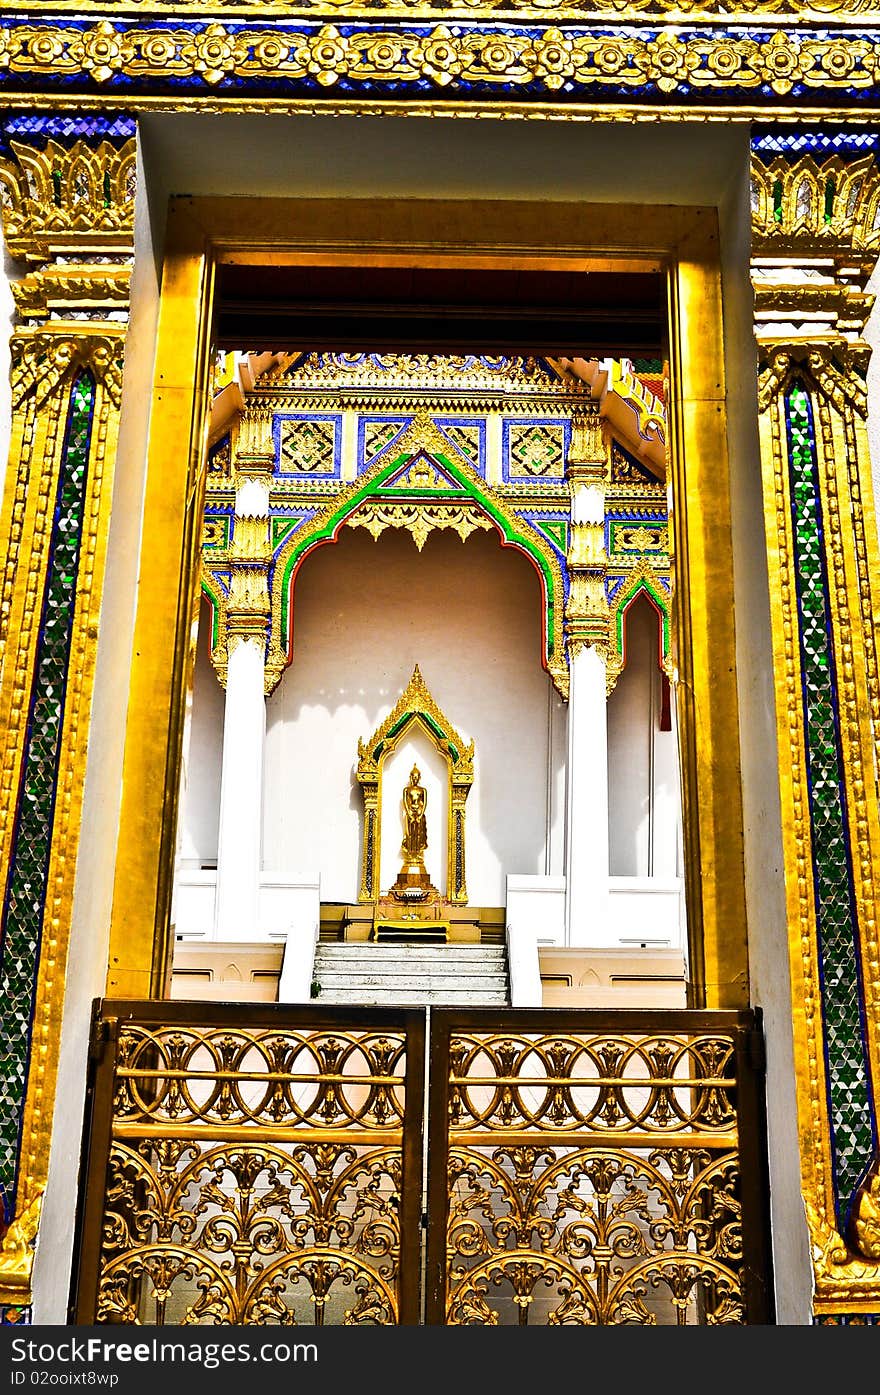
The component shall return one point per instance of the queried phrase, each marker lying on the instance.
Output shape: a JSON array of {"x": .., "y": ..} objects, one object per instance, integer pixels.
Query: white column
[
  {"x": 586, "y": 843},
  {"x": 241, "y": 793},
  {"x": 586, "y": 824}
]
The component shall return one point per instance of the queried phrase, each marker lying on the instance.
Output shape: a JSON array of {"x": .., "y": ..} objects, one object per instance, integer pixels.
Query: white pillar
[
  {"x": 586, "y": 842},
  {"x": 241, "y": 793},
  {"x": 586, "y": 823}
]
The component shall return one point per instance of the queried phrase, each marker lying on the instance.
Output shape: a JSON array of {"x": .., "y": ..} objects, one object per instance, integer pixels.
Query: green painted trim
[
  {"x": 373, "y": 488},
  {"x": 626, "y": 601},
  {"x": 216, "y": 607}
]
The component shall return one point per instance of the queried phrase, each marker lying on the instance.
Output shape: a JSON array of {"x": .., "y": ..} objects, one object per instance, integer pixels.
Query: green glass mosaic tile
[
  {"x": 850, "y": 1104},
  {"x": 29, "y": 857}
]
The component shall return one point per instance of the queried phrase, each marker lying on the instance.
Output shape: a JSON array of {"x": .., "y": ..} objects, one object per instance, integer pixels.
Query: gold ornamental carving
[
  {"x": 413, "y": 465},
  {"x": 450, "y": 57},
  {"x": 17, "y": 1254},
  {"x": 68, "y": 216},
  {"x": 415, "y": 709},
  {"x": 234, "y": 1204},
  {"x": 419, "y": 520},
  {"x": 816, "y": 238}
]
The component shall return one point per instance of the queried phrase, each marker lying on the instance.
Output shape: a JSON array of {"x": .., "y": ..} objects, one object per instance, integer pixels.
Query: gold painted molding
[
  {"x": 450, "y": 57},
  {"x": 205, "y": 232}
]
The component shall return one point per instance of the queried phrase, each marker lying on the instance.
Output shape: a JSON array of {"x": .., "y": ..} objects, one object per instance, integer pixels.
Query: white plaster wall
[
  {"x": 200, "y": 774},
  {"x": 630, "y": 738},
  {"x": 643, "y": 775},
  {"x": 364, "y": 614}
]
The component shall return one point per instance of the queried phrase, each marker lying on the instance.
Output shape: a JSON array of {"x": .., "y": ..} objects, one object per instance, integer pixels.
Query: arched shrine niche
[{"x": 368, "y": 611}]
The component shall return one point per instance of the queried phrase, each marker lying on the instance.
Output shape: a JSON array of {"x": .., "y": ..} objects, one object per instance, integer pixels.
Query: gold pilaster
[
  {"x": 815, "y": 242},
  {"x": 68, "y": 216}
]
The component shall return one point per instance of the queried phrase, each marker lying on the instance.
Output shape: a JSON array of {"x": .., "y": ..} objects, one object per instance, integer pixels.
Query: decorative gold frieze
[
  {"x": 587, "y": 470},
  {"x": 419, "y": 519},
  {"x": 450, "y": 58}
]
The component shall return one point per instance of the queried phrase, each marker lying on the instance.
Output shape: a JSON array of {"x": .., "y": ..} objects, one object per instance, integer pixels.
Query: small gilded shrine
[{"x": 413, "y": 906}]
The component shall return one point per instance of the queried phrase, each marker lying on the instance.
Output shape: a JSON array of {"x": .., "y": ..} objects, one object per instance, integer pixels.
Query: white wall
[
  {"x": 365, "y": 613},
  {"x": 203, "y": 751},
  {"x": 415, "y": 749},
  {"x": 643, "y": 775}
]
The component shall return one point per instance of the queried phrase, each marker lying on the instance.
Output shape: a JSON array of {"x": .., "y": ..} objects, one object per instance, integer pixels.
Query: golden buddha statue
[
  {"x": 415, "y": 802},
  {"x": 413, "y": 883}
]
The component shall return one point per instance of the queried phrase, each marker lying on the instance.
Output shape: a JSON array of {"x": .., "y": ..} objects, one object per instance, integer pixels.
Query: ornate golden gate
[{"x": 583, "y": 1168}]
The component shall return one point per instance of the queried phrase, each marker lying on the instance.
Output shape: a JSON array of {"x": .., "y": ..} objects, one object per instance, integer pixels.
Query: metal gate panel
[
  {"x": 596, "y": 1168},
  {"x": 269, "y": 1172}
]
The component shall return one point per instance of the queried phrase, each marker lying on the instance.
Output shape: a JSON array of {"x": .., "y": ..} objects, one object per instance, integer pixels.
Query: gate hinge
[
  {"x": 104, "y": 1030},
  {"x": 757, "y": 1051}
]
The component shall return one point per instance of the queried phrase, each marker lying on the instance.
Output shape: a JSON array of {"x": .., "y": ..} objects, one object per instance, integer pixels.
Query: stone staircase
[{"x": 411, "y": 975}]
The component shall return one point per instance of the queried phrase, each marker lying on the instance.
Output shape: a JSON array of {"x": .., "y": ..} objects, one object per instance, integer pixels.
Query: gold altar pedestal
[{"x": 424, "y": 921}]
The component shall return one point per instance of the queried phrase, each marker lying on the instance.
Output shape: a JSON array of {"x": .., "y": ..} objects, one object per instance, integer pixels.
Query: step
[
  {"x": 428, "y": 953},
  {"x": 426, "y": 996},
  {"x": 369, "y": 970},
  {"x": 413, "y": 985}
]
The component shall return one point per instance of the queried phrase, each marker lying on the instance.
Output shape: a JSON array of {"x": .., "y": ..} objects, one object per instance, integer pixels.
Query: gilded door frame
[{"x": 683, "y": 242}]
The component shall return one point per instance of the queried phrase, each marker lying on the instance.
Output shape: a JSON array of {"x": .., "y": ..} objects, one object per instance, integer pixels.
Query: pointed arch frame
[
  {"x": 415, "y": 708},
  {"x": 421, "y": 436}
]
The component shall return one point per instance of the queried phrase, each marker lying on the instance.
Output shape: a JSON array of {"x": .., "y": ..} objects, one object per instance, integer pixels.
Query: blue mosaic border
[
  {"x": 847, "y": 1320},
  {"x": 851, "y": 1112},
  {"x": 478, "y": 465},
  {"x": 821, "y": 144},
  {"x": 336, "y": 418},
  {"x": 507, "y": 423},
  {"x": 31, "y": 842},
  {"x": 393, "y": 419},
  {"x": 38, "y": 128}
]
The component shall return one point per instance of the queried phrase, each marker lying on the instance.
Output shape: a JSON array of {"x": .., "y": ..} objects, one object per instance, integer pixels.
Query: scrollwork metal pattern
[
  {"x": 255, "y": 1176},
  {"x": 593, "y": 1179}
]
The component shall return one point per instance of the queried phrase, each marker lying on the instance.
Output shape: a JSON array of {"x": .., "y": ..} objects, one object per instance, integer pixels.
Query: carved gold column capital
[
  {"x": 254, "y": 446},
  {"x": 248, "y": 606},
  {"x": 814, "y": 245}
]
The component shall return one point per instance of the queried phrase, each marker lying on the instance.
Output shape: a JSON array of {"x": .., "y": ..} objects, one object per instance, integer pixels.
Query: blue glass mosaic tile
[
  {"x": 850, "y": 1104},
  {"x": 25, "y": 891},
  {"x": 794, "y": 144}
]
